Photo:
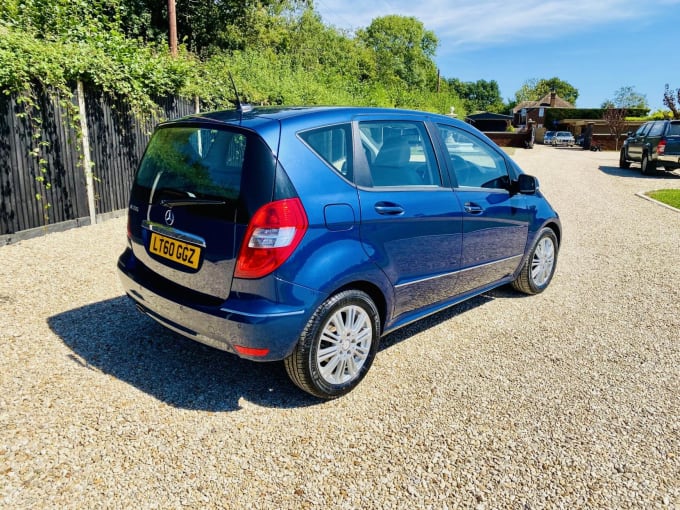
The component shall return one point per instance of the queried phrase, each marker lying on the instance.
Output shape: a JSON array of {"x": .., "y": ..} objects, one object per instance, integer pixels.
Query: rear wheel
[
  {"x": 337, "y": 347},
  {"x": 623, "y": 162},
  {"x": 647, "y": 166},
  {"x": 539, "y": 267}
]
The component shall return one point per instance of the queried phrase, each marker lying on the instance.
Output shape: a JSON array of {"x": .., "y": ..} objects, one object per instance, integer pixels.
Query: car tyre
[
  {"x": 539, "y": 267},
  {"x": 648, "y": 167},
  {"x": 337, "y": 347},
  {"x": 623, "y": 162}
]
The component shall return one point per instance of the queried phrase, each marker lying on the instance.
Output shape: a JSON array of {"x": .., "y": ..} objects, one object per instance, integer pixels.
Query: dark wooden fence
[{"x": 116, "y": 143}]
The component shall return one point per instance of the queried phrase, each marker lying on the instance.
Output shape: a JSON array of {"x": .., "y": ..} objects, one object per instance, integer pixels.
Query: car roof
[{"x": 314, "y": 115}]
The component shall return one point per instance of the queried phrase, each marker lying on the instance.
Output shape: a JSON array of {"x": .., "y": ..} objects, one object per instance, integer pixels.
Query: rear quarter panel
[{"x": 330, "y": 255}]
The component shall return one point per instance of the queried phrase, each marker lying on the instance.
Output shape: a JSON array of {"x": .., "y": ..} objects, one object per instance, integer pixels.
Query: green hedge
[{"x": 559, "y": 114}]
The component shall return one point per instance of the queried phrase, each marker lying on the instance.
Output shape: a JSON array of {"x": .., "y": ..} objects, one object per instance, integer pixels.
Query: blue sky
[{"x": 598, "y": 46}]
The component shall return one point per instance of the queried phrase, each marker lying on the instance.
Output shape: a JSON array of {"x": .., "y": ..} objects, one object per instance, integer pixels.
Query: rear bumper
[
  {"x": 253, "y": 323},
  {"x": 669, "y": 160}
]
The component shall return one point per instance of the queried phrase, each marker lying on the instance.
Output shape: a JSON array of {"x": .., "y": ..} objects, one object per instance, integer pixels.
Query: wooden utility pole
[{"x": 172, "y": 21}]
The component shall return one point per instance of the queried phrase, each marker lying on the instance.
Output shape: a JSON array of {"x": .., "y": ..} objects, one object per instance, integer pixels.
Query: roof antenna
[{"x": 240, "y": 107}]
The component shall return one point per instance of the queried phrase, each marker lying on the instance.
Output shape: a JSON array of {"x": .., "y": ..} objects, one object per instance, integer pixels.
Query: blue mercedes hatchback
[{"x": 306, "y": 234}]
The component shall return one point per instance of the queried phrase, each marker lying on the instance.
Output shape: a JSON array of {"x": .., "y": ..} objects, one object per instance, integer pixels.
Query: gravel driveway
[{"x": 568, "y": 399}]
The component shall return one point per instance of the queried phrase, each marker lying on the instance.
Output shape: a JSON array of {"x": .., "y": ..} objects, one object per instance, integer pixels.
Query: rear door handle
[
  {"x": 472, "y": 208},
  {"x": 389, "y": 208}
]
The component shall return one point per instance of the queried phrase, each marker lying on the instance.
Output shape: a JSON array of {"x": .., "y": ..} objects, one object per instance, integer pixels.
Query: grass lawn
[{"x": 667, "y": 196}]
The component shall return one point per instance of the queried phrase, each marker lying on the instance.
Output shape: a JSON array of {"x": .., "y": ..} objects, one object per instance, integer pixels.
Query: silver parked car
[
  {"x": 563, "y": 138},
  {"x": 548, "y": 137}
]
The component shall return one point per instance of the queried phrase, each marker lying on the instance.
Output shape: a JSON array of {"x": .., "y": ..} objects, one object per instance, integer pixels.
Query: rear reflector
[
  {"x": 274, "y": 232},
  {"x": 251, "y": 351}
]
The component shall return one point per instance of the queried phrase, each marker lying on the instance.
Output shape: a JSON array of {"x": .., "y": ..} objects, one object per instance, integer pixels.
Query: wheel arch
[
  {"x": 555, "y": 227},
  {"x": 373, "y": 291}
]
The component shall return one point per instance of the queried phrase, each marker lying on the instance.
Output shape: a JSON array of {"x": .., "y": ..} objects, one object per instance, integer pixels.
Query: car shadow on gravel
[
  {"x": 634, "y": 172},
  {"x": 440, "y": 317},
  {"x": 114, "y": 338}
]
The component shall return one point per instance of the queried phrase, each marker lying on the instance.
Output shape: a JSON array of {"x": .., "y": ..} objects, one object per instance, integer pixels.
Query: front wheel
[
  {"x": 623, "y": 162},
  {"x": 337, "y": 347},
  {"x": 539, "y": 267}
]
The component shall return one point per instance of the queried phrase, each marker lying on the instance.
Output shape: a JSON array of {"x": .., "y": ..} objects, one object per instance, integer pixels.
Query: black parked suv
[{"x": 649, "y": 144}]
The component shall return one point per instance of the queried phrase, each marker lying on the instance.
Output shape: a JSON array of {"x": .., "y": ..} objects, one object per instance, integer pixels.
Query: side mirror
[{"x": 527, "y": 184}]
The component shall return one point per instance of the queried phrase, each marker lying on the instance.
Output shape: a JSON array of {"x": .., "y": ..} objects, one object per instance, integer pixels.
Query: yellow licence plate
[{"x": 177, "y": 251}]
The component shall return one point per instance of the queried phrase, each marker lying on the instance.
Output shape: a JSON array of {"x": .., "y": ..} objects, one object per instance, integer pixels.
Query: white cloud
[{"x": 476, "y": 23}]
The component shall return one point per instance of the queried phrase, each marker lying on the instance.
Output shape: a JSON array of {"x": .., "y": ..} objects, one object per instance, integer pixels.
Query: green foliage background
[
  {"x": 559, "y": 114},
  {"x": 280, "y": 53}
]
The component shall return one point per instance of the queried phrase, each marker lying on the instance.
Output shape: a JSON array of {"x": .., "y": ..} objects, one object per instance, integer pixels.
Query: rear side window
[
  {"x": 333, "y": 144},
  {"x": 399, "y": 153}
]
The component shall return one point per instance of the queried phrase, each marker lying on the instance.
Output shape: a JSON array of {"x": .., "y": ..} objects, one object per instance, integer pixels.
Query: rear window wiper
[{"x": 179, "y": 202}]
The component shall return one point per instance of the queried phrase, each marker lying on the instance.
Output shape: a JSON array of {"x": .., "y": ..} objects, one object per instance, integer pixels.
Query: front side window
[
  {"x": 475, "y": 164},
  {"x": 399, "y": 153},
  {"x": 656, "y": 129},
  {"x": 643, "y": 129}
]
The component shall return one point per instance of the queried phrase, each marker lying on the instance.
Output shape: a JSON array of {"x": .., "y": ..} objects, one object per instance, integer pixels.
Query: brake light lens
[
  {"x": 661, "y": 148},
  {"x": 274, "y": 232}
]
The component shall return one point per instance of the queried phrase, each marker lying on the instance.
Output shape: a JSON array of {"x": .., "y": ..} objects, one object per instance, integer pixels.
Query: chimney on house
[{"x": 553, "y": 94}]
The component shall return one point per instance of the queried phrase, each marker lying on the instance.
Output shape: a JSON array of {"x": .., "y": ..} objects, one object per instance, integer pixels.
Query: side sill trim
[{"x": 460, "y": 271}]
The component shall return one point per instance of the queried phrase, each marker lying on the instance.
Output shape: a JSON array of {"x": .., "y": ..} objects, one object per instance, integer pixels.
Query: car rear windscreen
[{"x": 191, "y": 162}]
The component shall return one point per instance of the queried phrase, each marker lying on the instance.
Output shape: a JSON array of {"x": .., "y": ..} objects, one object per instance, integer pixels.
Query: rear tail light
[
  {"x": 273, "y": 233},
  {"x": 661, "y": 148}
]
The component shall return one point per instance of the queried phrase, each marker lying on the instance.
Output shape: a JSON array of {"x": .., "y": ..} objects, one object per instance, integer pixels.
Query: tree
[
  {"x": 626, "y": 97},
  {"x": 73, "y": 20},
  {"x": 669, "y": 99},
  {"x": 324, "y": 49},
  {"x": 205, "y": 27},
  {"x": 534, "y": 89},
  {"x": 404, "y": 50},
  {"x": 616, "y": 122},
  {"x": 481, "y": 95}
]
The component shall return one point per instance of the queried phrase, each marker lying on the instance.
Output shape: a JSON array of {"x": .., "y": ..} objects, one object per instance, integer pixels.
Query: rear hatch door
[{"x": 194, "y": 193}]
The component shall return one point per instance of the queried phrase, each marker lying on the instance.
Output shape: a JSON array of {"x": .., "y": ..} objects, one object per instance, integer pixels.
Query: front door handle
[
  {"x": 472, "y": 208},
  {"x": 389, "y": 208}
]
